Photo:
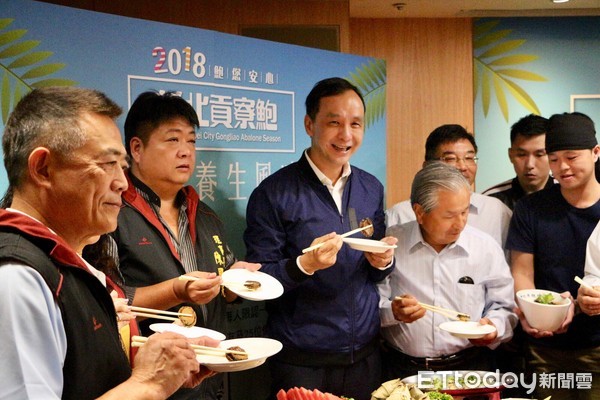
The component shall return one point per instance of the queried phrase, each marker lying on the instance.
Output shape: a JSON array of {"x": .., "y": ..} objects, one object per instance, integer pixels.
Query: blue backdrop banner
[{"x": 249, "y": 94}]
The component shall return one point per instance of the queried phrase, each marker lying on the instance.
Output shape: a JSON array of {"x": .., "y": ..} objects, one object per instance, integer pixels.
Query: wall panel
[
  {"x": 227, "y": 15},
  {"x": 429, "y": 70}
]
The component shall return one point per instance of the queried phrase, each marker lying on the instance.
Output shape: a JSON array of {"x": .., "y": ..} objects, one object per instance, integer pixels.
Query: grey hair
[
  {"x": 435, "y": 176},
  {"x": 49, "y": 117}
]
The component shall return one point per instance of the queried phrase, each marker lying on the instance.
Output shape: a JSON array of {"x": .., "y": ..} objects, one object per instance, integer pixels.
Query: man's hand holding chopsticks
[
  {"x": 323, "y": 256},
  {"x": 167, "y": 362},
  {"x": 196, "y": 379},
  {"x": 588, "y": 299},
  {"x": 406, "y": 308},
  {"x": 199, "y": 291}
]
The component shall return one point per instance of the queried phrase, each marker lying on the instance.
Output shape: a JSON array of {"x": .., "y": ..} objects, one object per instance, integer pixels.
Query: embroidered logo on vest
[
  {"x": 144, "y": 241},
  {"x": 97, "y": 325},
  {"x": 220, "y": 254}
]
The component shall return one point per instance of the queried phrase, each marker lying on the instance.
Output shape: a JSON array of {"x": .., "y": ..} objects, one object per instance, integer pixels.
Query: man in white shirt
[
  {"x": 442, "y": 262},
  {"x": 453, "y": 145},
  {"x": 64, "y": 159}
]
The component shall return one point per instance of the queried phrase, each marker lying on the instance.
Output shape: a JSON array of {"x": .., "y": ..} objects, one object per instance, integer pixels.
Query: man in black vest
[
  {"x": 65, "y": 160},
  {"x": 164, "y": 230}
]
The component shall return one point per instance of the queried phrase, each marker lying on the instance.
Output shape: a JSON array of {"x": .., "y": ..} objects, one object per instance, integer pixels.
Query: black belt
[{"x": 444, "y": 362}]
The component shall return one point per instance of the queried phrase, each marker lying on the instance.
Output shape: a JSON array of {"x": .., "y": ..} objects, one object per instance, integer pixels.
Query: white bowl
[{"x": 543, "y": 317}]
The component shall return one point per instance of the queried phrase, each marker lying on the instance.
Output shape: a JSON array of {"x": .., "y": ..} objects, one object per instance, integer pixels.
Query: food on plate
[
  {"x": 247, "y": 285},
  {"x": 470, "y": 382},
  {"x": 439, "y": 396},
  {"x": 401, "y": 392},
  {"x": 236, "y": 356},
  {"x": 305, "y": 394},
  {"x": 385, "y": 389},
  {"x": 416, "y": 393},
  {"x": 395, "y": 389},
  {"x": 252, "y": 285},
  {"x": 546, "y": 298}
]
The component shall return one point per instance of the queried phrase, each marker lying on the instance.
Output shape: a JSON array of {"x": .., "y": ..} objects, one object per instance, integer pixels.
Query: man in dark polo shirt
[{"x": 547, "y": 240}]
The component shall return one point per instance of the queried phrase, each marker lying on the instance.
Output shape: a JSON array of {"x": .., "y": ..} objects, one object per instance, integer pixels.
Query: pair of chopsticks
[
  {"x": 138, "y": 341},
  {"x": 195, "y": 278},
  {"x": 455, "y": 315},
  {"x": 157, "y": 314},
  {"x": 352, "y": 232},
  {"x": 582, "y": 283}
]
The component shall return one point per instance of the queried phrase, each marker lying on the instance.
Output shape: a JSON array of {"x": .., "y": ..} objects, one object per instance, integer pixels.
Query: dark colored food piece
[
  {"x": 252, "y": 285},
  {"x": 236, "y": 357}
]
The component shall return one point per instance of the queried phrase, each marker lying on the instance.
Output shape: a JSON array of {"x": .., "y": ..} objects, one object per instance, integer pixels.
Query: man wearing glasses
[{"x": 453, "y": 145}]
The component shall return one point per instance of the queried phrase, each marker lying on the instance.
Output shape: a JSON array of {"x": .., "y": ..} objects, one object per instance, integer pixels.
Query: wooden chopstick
[
  {"x": 452, "y": 314},
  {"x": 155, "y": 316},
  {"x": 444, "y": 311},
  {"x": 352, "y": 232},
  {"x": 188, "y": 278},
  {"x": 155, "y": 311},
  {"x": 195, "y": 278},
  {"x": 582, "y": 283},
  {"x": 138, "y": 341}
]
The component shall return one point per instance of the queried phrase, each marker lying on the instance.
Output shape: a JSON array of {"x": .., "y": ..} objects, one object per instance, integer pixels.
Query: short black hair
[
  {"x": 531, "y": 125},
  {"x": 326, "y": 88},
  {"x": 151, "y": 109},
  {"x": 450, "y": 133}
]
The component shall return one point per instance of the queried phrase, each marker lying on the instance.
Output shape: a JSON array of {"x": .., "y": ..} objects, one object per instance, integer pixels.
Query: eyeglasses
[{"x": 453, "y": 160}]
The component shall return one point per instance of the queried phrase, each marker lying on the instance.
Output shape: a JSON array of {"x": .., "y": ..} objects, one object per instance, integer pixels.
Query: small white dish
[
  {"x": 368, "y": 245},
  {"x": 270, "y": 288},
  {"x": 258, "y": 349},
  {"x": 187, "y": 331},
  {"x": 467, "y": 329}
]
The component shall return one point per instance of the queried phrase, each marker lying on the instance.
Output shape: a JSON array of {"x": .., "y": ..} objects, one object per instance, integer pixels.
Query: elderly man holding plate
[{"x": 443, "y": 265}]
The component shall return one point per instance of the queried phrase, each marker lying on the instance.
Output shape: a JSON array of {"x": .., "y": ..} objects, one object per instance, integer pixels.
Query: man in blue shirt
[{"x": 327, "y": 318}]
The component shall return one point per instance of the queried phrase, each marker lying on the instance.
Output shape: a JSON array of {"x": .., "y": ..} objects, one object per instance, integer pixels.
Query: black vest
[
  {"x": 146, "y": 259},
  {"x": 95, "y": 361}
]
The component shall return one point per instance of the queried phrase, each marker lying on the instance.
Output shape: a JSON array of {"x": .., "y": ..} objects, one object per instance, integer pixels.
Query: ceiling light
[{"x": 560, "y": 1}]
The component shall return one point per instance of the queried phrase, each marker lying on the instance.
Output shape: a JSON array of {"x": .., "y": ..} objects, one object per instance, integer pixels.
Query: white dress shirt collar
[{"x": 336, "y": 190}]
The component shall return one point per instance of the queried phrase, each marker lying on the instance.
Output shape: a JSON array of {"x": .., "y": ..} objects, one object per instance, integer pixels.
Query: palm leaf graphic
[
  {"x": 495, "y": 72},
  {"x": 370, "y": 79},
  {"x": 21, "y": 67}
]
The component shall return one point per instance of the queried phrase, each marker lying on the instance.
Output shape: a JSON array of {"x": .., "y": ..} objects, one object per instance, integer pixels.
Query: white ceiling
[{"x": 470, "y": 8}]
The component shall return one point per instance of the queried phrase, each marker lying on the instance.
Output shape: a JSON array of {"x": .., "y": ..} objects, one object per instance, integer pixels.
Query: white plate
[
  {"x": 270, "y": 288},
  {"x": 187, "y": 331},
  {"x": 369, "y": 245},
  {"x": 467, "y": 329},
  {"x": 258, "y": 349}
]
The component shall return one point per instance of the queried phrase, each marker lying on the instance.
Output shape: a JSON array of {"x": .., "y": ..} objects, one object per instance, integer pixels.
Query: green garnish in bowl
[
  {"x": 439, "y": 396},
  {"x": 547, "y": 298}
]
